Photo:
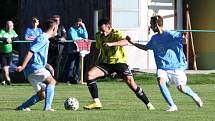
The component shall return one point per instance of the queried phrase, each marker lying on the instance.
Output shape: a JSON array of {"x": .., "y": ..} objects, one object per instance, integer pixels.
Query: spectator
[
  {"x": 56, "y": 47},
  {"x": 76, "y": 32},
  {"x": 7, "y": 35},
  {"x": 32, "y": 32}
]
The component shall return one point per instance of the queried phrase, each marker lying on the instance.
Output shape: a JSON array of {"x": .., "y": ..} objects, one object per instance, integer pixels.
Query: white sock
[{"x": 97, "y": 100}]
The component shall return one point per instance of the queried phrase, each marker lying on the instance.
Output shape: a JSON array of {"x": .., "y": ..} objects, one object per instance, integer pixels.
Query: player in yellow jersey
[{"x": 109, "y": 44}]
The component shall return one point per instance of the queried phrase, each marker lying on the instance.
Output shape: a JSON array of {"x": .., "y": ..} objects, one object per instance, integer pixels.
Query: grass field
[{"x": 119, "y": 103}]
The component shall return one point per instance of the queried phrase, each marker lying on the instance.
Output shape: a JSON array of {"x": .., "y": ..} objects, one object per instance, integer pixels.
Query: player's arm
[
  {"x": 185, "y": 38},
  {"x": 25, "y": 62},
  {"x": 140, "y": 46},
  {"x": 14, "y": 38},
  {"x": 63, "y": 34},
  {"x": 6, "y": 40},
  {"x": 122, "y": 42}
]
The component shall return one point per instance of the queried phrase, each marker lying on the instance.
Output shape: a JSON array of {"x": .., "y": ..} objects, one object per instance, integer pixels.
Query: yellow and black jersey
[{"x": 112, "y": 55}]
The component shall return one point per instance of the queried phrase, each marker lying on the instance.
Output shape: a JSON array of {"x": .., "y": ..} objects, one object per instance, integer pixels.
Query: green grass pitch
[{"x": 119, "y": 102}]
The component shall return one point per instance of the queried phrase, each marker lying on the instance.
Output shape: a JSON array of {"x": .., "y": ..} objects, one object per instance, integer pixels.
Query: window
[{"x": 125, "y": 13}]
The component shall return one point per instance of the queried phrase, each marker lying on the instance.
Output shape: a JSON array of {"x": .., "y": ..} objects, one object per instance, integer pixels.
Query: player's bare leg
[
  {"x": 5, "y": 76},
  {"x": 138, "y": 91},
  {"x": 92, "y": 86}
]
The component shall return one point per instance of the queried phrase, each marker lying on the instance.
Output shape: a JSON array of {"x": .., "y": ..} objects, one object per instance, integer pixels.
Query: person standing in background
[
  {"x": 32, "y": 32},
  {"x": 76, "y": 32},
  {"x": 56, "y": 47},
  {"x": 7, "y": 35}
]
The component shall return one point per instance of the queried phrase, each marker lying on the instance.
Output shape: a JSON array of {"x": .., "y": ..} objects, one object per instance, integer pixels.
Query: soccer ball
[{"x": 71, "y": 103}]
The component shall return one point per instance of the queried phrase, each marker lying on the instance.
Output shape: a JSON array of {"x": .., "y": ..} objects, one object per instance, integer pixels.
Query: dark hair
[
  {"x": 49, "y": 24},
  {"x": 157, "y": 19},
  {"x": 78, "y": 20},
  {"x": 56, "y": 16},
  {"x": 103, "y": 21}
]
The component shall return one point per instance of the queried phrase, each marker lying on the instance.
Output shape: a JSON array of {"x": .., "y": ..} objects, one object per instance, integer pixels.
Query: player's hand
[
  {"x": 19, "y": 68},
  {"x": 62, "y": 39},
  {"x": 129, "y": 39},
  {"x": 107, "y": 45},
  {"x": 9, "y": 40},
  {"x": 82, "y": 24},
  {"x": 185, "y": 37},
  {"x": 32, "y": 37}
]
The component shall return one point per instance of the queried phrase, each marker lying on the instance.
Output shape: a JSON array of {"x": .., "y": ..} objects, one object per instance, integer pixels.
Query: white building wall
[{"x": 140, "y": 59}]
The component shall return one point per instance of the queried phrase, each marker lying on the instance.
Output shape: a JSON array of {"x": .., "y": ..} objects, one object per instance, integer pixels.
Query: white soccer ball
[{"x": 71, "y": 103}]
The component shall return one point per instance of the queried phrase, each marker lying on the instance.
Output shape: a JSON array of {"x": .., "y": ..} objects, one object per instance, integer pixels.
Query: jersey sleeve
[
  {"x": 14, "y": 34},
  {"x": 98, "y": 41},
  {"x": 149, "y": 45},
  {"x": 2, "y": 33},
  {"x": 40, "y": 31},
  {"x": 178, "y": 37},
  {"x": 27, "y": 32},
  {"x": 118, "y": 35}
]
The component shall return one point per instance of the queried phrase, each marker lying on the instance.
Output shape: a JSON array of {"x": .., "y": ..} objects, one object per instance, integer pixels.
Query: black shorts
[
  {"x": 5, "y": 59},
  {"x": 121, "y": 69}
]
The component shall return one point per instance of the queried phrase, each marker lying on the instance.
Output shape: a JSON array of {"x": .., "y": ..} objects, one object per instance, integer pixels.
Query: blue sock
[
  {"x": 49, "y": 96},
  {"x": 188, "y": 91},
  {"x": 31, "y": 101},
  {"x": 166, "y": 94}
]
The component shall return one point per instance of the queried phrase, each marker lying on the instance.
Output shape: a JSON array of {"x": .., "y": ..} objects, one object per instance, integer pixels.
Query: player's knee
[
  {"x": 51, "y": 80},
  {"x": 180, "y": 88},
  {"x": 91, "y": 76},
  {"x": 130, "y": 82},
  {"x": 161, "y": 81},
  {"x": 128, "y": 79},
  {"x": 41, "y": 95}
]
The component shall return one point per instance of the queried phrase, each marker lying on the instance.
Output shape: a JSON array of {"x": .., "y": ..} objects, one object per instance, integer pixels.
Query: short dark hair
[
  {"x": 78, "y": 19},
  {"x": 103, "y": 21},
  {"x": 49, "y": 24},
  {"x": 56, "y": 16},
  {"x": 157, "y": 19}
]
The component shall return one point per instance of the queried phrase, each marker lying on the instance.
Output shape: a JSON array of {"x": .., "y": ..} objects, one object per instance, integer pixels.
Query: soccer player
[
  {"x": 7, "y": 35},
  {"x": 34, "y": 65},
  {"x": 170, "y": 60},
  {"x": 109, "y": 43}
]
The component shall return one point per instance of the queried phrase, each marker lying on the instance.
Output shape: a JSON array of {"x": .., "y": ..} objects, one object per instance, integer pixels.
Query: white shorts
[
  {"x": 38, "y": 77},
  {"x": 177, "y": 77}
]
